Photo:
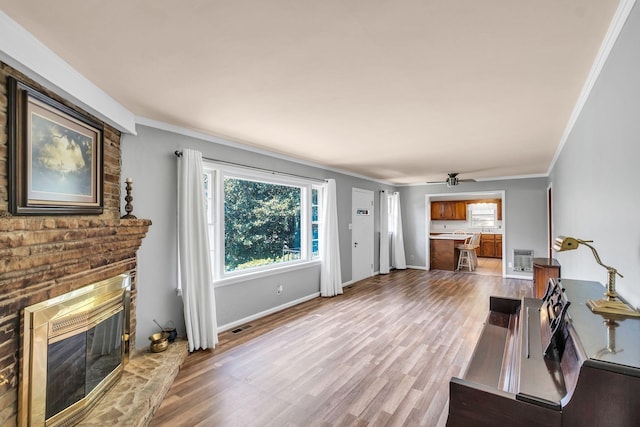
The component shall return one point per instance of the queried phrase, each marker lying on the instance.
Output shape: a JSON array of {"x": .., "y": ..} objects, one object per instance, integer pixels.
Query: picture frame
[{"x": 55, "y": 156}]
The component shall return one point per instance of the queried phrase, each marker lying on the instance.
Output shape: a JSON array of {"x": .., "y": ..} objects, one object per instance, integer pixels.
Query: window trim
[
  {"x": 218, "y": 172},
  {"x": 495, "y": 215}
]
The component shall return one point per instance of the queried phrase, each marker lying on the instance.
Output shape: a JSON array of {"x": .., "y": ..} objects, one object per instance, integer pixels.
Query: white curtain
[
  {"x": 330, "y": 274},
  {"x": 384, "y": 232},
  {"x": 397, "y": 242},
  {"x": 194, "y": 262}
]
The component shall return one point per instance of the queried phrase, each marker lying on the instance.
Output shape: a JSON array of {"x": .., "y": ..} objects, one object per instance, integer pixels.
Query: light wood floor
[
  {"x": 486, "y": 266},
  {"x": 381, "y": 354}
]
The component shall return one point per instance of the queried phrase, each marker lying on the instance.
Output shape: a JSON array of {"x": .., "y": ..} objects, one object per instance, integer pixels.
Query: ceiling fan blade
[{"x": 452, "y": 180}]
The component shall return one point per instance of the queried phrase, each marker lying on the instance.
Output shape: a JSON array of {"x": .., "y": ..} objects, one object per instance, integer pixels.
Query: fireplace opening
[
  {"x": 77, "y": 364},
  {"x": 74, "y": 349}
]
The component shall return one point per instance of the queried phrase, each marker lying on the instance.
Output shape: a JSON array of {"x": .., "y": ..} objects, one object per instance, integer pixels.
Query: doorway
[
  {"x": 361, "y": 234},
  {"x": 489, "y": 264}
]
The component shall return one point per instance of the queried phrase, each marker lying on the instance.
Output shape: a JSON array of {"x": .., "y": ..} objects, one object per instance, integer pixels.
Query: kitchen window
[{"x": 483, "y": 214}]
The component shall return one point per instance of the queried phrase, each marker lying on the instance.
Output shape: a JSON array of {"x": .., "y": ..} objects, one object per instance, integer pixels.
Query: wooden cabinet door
[
  {"x": 487, "y": 245},
  {"x": 498, "y": 250},
  {"x": 448, "y": 210},
  {"x": 460, "y": 210},
  {"x": 436, "y": 210},
  {"x": 487, "y": 249},
  {"x": 456, "y": 210}
]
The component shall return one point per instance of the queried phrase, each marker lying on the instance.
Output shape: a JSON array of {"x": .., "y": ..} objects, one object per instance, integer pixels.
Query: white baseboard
[
  {"x": 267, "y": 312},
  {"x": 417, "y": 267},
  {"x": 349, "y": 283}
]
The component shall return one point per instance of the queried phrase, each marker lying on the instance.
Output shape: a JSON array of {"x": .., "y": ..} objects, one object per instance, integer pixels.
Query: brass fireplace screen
[{"x": 73, "y": 350}]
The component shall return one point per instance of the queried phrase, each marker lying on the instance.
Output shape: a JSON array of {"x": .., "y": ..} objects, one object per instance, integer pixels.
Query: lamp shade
[{"x": 563, "y": 243}]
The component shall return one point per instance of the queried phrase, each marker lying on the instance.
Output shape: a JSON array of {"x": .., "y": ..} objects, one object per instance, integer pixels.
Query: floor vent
[
  {"x": 241, "y": 329},
  {"x": 522, "y": 260}
]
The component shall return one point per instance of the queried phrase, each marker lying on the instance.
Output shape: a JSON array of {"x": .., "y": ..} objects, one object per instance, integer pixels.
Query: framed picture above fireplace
[{"x": 55, "y": 157}]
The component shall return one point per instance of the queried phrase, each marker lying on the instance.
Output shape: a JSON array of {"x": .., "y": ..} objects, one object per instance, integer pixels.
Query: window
[
  {"x": 265, "y": 221},
  {"x": 316, "y": 199},
  {"x": 261, "y": 223},
  {"x": 483, "y": 214}
]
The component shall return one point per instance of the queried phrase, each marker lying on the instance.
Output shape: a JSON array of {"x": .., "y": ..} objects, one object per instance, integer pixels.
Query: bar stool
[
  {"x": 475, "y": 244},
  {"x": 466, "y": 257}
]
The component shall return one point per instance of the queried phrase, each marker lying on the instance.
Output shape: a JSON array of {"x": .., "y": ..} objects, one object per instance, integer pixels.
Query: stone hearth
[{"x": 146, "y": 379}]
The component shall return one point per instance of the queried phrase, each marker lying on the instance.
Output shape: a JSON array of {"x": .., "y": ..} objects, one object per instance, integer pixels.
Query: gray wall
[
  {"x": 149, "y": 160},
  {"x": 524, "y": 221},
  {"x": 594, "y": 186},
  {"x": 595, "y": 180}
]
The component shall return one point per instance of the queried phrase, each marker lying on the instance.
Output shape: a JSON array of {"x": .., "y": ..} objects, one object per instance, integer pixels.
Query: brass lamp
[{"x": 612, "y": 303}]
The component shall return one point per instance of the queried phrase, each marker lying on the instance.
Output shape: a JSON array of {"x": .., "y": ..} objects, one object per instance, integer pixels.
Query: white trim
[
  {"x": 617, "y": 23},
  {"x": 417, "y": 267},
  {"x": 305, "y": 187},
  {"x": 22, "y": 51},
  {"x": 459, "y": 196},
  {"x": 267, "y": 312},
  {"x": 246, "y": 147},
  {"x": 349, "y": 283},
  {"x": 243, "y": 277}
]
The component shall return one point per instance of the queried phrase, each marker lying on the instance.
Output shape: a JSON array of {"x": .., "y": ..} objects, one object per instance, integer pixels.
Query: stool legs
[{"x": 465, "y": 260}]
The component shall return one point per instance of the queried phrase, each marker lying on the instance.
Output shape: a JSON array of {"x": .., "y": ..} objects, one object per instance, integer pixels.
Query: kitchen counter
[
  {"x": 450, "y": 236},
  {"x": 443, "y": 252}
]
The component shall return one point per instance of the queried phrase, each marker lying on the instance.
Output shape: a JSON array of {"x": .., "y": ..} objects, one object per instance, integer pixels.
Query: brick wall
[{"x": 45, "y": 256}]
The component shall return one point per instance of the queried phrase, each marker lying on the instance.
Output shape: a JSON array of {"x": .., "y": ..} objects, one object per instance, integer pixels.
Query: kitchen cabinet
[
  {"x": 449, "y": 210},
  {"x": 490, "y": 246},
  {"x": 457, "y": 209}
]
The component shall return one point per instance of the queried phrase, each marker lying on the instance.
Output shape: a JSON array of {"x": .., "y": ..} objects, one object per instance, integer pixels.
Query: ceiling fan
[{"x": 452, "y": 180}]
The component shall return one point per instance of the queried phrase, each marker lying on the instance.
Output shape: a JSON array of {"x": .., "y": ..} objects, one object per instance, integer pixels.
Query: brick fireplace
[{"x": 42, "y": 257}]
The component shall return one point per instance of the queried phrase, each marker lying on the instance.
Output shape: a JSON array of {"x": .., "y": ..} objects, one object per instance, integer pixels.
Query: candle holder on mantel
[{"x": 128, "y": 207}]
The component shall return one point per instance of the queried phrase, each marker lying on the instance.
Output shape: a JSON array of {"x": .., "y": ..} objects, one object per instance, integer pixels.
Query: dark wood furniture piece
[
  {"x": 551, "y": 362},
  {"x": 543, "y": 270},
  {"x": 443, "y": 253}
]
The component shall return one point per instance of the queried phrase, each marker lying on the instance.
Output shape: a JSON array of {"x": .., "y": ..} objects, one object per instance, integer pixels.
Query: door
[{"x": 361, "y": 234}]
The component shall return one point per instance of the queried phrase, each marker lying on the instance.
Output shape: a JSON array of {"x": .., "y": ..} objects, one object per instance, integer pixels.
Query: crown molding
[
  {"x": 247, "y": 147},
  {"x": 617, "y": 23}
]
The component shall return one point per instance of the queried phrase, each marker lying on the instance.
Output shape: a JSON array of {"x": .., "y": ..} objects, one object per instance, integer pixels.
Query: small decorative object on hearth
[
  {"x": 169, "y": 329},
  {"x": 128, "y": 198},
  {"x": 159, "y": 342},
  {"x": 612, "y": 303}
]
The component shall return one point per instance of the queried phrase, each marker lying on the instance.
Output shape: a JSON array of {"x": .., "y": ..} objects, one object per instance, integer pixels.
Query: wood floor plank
[{"x": 380, "y": 354}]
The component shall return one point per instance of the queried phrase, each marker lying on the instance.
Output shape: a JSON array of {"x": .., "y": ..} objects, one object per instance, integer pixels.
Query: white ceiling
[{"x": 403, "y": 91}]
